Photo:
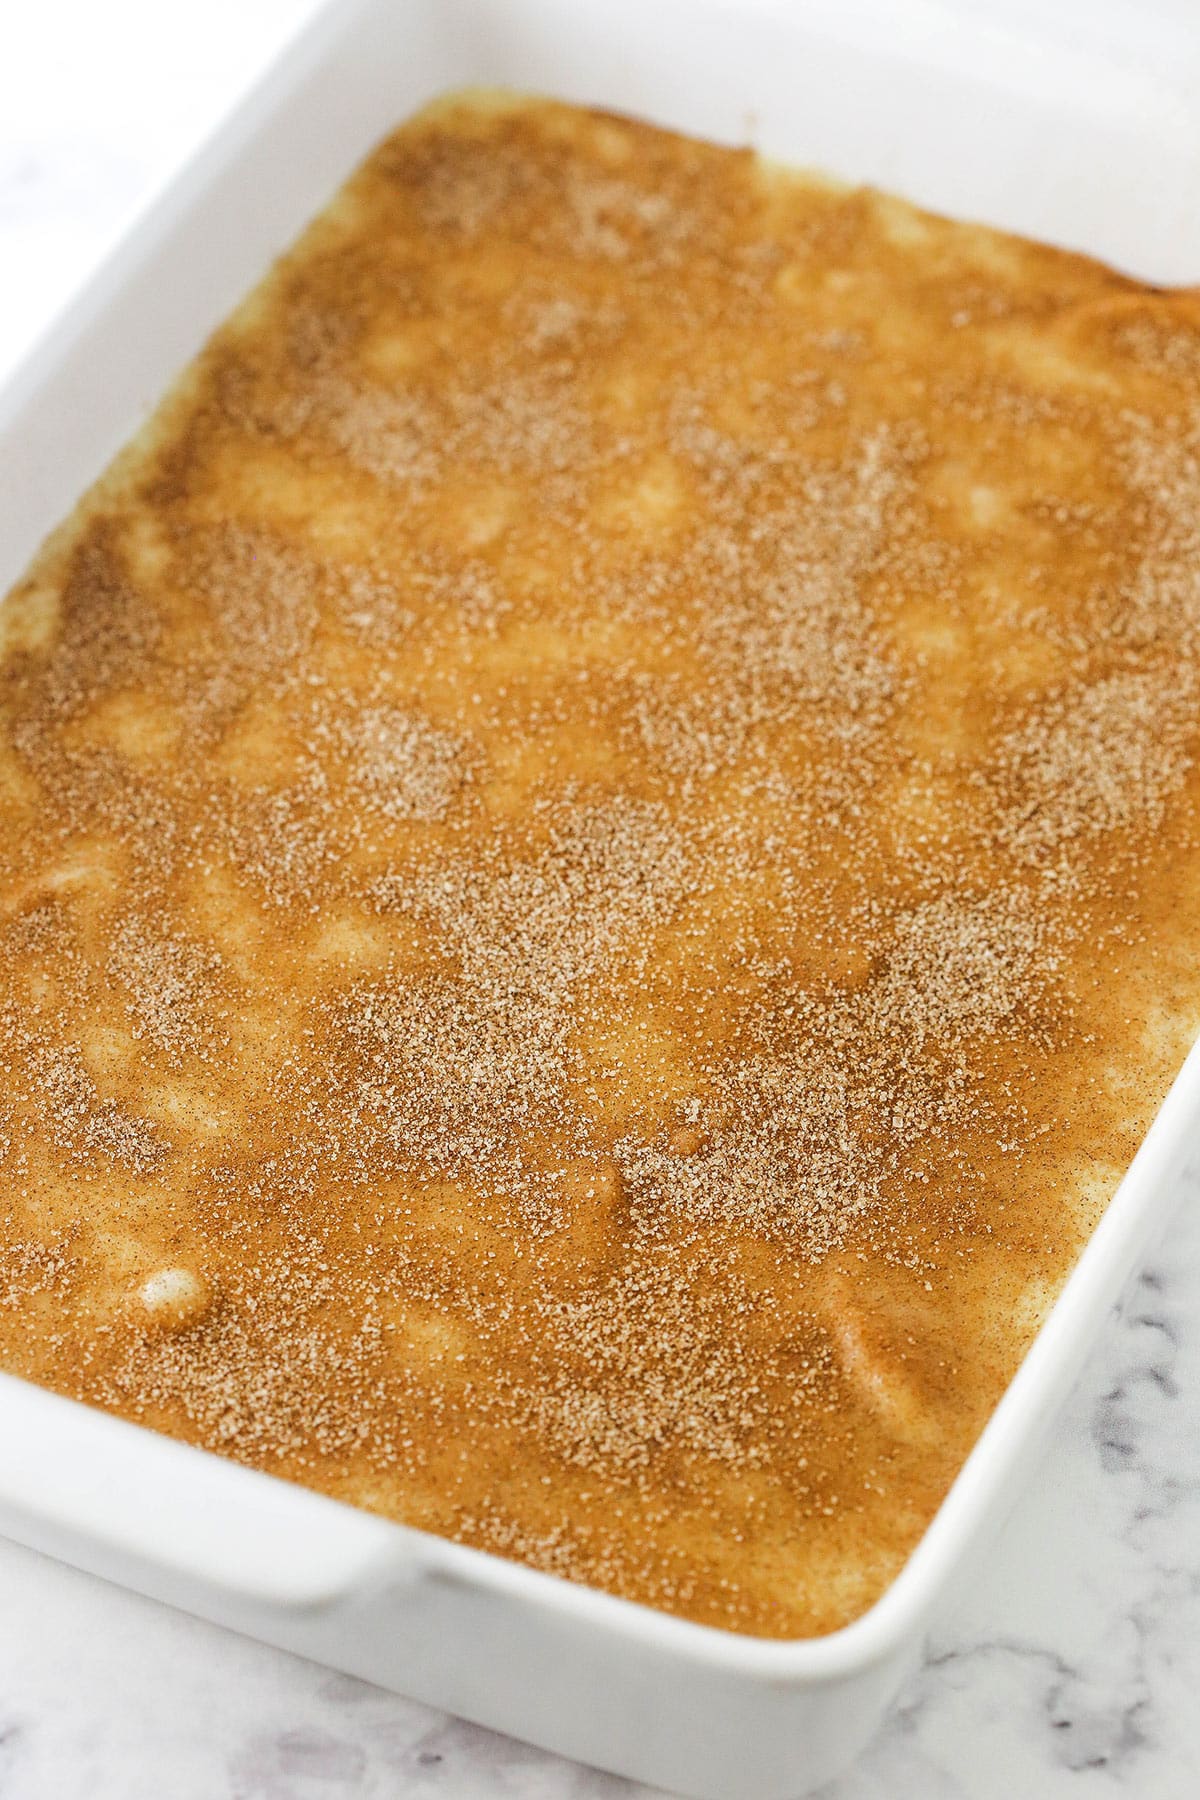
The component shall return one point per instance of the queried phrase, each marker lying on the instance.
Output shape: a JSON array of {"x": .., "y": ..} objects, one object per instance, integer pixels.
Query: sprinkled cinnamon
[{"x": 598, "y": 857}]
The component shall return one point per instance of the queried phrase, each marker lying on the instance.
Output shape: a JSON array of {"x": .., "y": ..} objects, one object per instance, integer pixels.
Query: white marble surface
[{"x": 1070, "y": 1673}]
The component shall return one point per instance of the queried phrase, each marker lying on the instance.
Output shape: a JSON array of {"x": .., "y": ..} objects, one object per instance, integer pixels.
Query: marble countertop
[{"x": 1069, "y": 1673}]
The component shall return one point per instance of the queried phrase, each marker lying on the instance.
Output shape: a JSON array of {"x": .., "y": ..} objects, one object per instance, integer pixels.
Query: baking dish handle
[{"x": 155, "y": 1513}]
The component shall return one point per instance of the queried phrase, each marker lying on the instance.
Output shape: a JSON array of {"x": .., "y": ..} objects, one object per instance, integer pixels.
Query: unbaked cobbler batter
[{"x": 598, "y": 857}]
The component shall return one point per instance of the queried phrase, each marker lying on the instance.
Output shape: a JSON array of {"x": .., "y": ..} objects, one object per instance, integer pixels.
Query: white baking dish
[{"x": 1092, "y": 145}]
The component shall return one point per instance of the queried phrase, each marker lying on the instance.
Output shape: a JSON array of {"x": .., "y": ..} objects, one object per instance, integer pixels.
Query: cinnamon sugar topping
[{"x": 598, "y": 857}]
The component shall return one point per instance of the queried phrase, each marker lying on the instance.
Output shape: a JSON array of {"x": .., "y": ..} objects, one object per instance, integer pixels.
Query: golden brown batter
[{"x": 599, "y": 867}]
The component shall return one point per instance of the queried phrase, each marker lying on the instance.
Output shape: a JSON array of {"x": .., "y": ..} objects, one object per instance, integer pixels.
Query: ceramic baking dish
[{"x": 1094, "y": 145}]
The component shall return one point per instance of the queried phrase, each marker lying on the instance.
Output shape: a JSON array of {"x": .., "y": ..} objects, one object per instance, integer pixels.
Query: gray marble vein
[{"x": 1072, "y": 1669}]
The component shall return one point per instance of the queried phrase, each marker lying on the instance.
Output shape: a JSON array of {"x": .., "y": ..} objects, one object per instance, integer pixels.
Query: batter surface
[{"x": 598, "y": 857}]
